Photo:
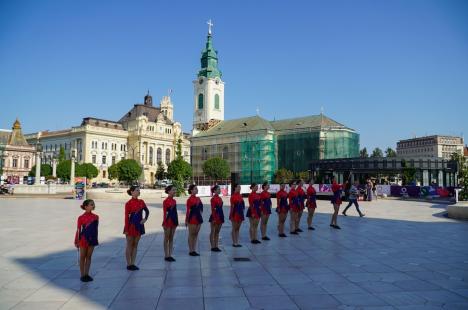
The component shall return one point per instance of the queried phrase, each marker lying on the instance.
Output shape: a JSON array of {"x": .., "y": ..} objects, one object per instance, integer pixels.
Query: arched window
[
  {"x": 204, "y": 155},
  {"x": 151, "y": 152},
  {"x": 168, "y": 156},
  {"x": 217, "y": 102},
  {"x": 159, "y": 155},
  {"x": 225, "y": 152},
  {"x": 200, "y": 101}
]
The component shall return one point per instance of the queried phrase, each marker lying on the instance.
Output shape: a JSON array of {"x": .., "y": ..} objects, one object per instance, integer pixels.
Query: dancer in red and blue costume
[
  {"x": 216, "y": 218},
  {"x": 265, "y": 209},
  {"x": 236, "y": 215},
  {"x": 170, "y": 222},
  {"x": 293, "y": 208},
  {"x": 311, "y": 203},
  {"x": 193, "y": 218},
  {"x": 134, "y": 225},
  {"x": 254, "y": 213},
  {"x": 86, "y": 237},
  {"x": 301, "y": 196},
  {"x": 336, "y": 202},
  {"x": 282, "y": 208}
]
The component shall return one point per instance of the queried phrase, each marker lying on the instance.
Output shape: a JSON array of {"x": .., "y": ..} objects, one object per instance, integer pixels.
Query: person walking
[{"x": 353, "y": 198}]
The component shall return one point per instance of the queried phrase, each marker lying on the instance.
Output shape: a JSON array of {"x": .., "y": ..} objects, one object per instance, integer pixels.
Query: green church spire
[{"x": 209, "y": 59}]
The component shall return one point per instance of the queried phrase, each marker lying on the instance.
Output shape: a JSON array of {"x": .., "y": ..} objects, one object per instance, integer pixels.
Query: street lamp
[{"x": 37, "y": 180}]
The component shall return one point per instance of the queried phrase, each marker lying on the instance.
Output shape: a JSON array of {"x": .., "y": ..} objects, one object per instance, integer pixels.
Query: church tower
[{"x": 208, "y": 89}]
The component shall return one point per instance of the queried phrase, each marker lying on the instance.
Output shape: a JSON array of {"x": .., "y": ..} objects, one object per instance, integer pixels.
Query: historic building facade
[
  {"x": 16, "y": 156},
  {"x": 146, "y": 133},
  {"x": 430, "y": 146},
  {"x": 254, "y": 147}
]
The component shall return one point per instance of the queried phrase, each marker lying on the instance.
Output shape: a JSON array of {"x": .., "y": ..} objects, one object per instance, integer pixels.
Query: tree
[
  {"x": 462, "y": 174},
  {"x": 127, "y": 170},
  {"x": 63, "y": 169},
  {"x": 363, "y": 153},
  {"x": 377, "y": 152},
  {"x": 283, "y": 176},
  {"x": 46, "y": 170},
  {"x": 61, "y": 156},
  {"x": 87, "y": 170},
  {"x": 179, "y": 170},
  {"x": 389, "y": 152},
  {"x": 113, "y": 171},
  {"x": 160, "y": 171},
  {"x": 408, "y": 175},
  {"x": 216, "y": 168},
  {"x": 303, "y": 175}
]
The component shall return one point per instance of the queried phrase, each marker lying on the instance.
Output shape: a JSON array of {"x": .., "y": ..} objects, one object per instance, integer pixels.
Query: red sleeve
[
  {"x": 251, "y": 199},
  {"x": 78, "y": 224},
  {"x": 127, "y": 212},
  {"x": 214, "y": 202}
]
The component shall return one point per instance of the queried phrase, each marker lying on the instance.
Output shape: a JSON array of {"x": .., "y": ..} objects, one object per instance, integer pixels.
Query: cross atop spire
[{"x": 210, "y": 24}]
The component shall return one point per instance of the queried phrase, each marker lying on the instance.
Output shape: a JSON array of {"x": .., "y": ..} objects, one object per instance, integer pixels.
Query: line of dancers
[{"x": 136, "y": 214}]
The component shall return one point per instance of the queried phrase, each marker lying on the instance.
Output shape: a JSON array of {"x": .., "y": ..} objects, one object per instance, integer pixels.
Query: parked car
[{"x": 163, "y": 183}]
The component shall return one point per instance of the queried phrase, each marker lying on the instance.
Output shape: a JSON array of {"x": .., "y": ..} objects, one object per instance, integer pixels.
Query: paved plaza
[{"x": 402, "y": 255}]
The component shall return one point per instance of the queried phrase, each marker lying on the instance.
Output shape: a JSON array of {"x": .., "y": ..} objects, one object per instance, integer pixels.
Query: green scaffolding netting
[
  {"x": 296, "y": 150},
  {"x": 258, "y": 160},
  {"x": 340, "y": 144}
]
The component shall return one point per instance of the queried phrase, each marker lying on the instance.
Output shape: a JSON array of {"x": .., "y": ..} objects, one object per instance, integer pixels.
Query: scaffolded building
[{"x": 254, "y": 147}]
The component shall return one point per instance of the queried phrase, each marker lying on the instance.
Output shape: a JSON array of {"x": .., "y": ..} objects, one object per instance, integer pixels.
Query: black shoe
[
  {"x": 265, "y": 238},
  {"x": 167, "y": 259},
  {"x": 336, "y": 226},
  {"x": 88, "y": 278},
  {"x": 237, "y": 245},
  {"x": 299, "y": 230},
  {"x": 362, "y": 215},
  {"x": 311, "y": 228},
  {"x": 294, "y": 233},
  {"x": 171, "y": 259},
  {"x": 215, "y": 249},
  {"x": 282, "y": 235},
  {"x": 135, "y": 267},
  {"x": 344, "y": 213},
  {"x": 255, "y": 241},
  {"x": 192, "y": 253},
  {"x": 83, "y": 279},
  {"x": 129, "y": 267}
]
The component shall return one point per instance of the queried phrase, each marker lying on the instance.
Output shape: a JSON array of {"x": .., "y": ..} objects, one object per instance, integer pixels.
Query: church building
[{"x": 254, "y": 147}]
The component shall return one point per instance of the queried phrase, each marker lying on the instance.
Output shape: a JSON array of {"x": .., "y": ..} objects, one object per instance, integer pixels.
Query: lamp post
[
  {"x": 72, "y": 168},
  {"x": 54, "y": 165},
  {"x": 37, "y": 180}
]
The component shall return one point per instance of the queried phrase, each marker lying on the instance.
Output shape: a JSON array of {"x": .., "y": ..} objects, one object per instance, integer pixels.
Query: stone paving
[{"x": 402, "y": 255}]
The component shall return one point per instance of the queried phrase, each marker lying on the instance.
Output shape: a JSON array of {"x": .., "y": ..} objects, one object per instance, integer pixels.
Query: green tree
[
  {"x": 63, "y": 169},
  {"x": 61, "y": 156},
  {"x": 283, "y": 176},
  {"x": 216, "y": 168},
  {"x": 462, "y": 167},
  {"x": 389, "y": 152},
  {"x": 363, "y": 153},
  {"x": 46, "y": 170},
  {"x": 408, "y": 175},
  {"x": 302, "y": 175},
  {"x": 179, "y": 170},
  {"x": 113, "y": 171},
  {"x": 87, "y": 170},
  {"x": 160, "y": 171},
  {"x": 377, "y": 152},
  {"x": 128, "y": 170}
]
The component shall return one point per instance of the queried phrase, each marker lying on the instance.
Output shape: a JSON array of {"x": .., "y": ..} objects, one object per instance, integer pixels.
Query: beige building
[
  {"x": 16, "y": 155},
  {"x": 146, "y": 133},
  {"x": 430, "y": 146}
]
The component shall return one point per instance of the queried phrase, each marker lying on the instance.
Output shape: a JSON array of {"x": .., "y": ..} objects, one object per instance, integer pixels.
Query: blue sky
[{"x": 389, "y": 69}]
